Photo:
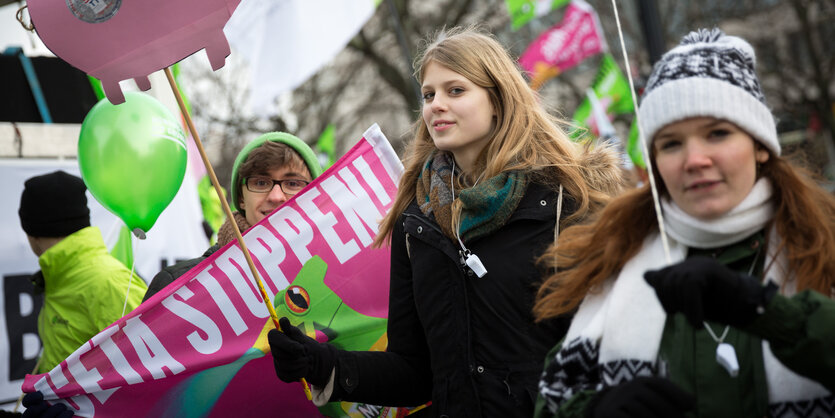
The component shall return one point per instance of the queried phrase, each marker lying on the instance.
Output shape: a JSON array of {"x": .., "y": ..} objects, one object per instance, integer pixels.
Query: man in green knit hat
[{"x": 267, "y": 172}]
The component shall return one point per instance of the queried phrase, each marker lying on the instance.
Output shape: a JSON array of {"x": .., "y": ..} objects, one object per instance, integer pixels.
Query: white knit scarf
[{"x": 611, "y": 316}]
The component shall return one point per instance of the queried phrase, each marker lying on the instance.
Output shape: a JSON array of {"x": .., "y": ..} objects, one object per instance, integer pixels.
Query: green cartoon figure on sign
[{"x": 314, "y": 308}]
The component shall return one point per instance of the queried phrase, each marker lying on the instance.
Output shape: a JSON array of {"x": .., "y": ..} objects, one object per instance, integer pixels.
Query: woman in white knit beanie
[{"x": 734, "y": 317}]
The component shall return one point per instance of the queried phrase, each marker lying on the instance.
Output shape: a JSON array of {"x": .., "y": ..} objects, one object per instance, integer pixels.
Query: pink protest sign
[
  {"x": 198, "y": 348},
  {"x": 575, "y": 38},
  {"x": 116, "y": 40}
]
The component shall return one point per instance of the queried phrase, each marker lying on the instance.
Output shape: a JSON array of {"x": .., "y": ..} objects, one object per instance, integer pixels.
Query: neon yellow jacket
[{"x": 84, "y": 293}]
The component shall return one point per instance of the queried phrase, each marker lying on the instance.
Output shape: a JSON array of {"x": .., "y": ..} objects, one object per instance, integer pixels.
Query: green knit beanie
[{"x": 307, "y": 154}]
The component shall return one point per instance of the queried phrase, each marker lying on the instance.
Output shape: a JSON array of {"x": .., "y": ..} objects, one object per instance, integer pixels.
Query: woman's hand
[
  {"x": 297, "y": 356},
  {"x": 36, "y": 407},
  {"x": 642, "y": 397},
  {"x": 703, "y": 289}
]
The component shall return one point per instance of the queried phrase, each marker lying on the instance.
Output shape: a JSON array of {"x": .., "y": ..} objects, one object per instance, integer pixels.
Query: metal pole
[{"x": 652, "y": 29}]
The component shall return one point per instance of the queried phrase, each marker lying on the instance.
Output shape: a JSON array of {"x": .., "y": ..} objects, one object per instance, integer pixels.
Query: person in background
[
  {"x": 85, "y": 289},
  {"x": 267, "y": 172},
  {"x": 740, "y": 322},
  {"x": 490, "y": 178}
]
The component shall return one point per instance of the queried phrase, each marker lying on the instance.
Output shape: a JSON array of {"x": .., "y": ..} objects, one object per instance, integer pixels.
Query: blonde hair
[{"x": 524, "y": 138}]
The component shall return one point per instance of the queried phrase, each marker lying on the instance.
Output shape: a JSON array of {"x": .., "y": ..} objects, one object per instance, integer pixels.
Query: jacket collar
[{"x": 65, "y": 255}]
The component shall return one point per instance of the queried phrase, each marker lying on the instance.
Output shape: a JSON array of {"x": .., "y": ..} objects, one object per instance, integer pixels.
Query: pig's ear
[
  {"x": 217, "y": 49},
  {"x": 143, "y": 83},
  {"x": 113, "y": 91}
]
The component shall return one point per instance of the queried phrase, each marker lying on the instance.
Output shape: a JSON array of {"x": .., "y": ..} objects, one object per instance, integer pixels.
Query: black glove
[
  {"x": 36, "y": 407},
  {"x": 642, "y": 397},
  {"x": 703, "y": 289},
  {"x": 298, "y": 356}
]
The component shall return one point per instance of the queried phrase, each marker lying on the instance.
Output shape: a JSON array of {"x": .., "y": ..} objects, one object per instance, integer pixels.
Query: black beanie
[{"x": 53, "y": 205}]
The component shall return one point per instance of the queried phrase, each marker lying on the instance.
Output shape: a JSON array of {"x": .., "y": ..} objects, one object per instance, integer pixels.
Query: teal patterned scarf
[{"x": 486, "y": 207}]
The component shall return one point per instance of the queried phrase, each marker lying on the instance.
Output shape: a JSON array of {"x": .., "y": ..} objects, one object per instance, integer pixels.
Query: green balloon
[{"x": 133, "y": 158}]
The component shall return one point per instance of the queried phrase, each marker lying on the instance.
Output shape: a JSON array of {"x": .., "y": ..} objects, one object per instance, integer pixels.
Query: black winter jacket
[
  {"x": 468, "y": 344},
  {"x": 170, "y": 273}
]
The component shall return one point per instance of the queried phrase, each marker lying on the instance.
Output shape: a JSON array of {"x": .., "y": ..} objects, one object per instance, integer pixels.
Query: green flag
[
  {"x": 96, "y": 85},
  {"x": 175, "y": 71},
  {"x": 326, "y": 147},
  {"x": 123, "y": 250},
  {"x": 523, "y": 11},
  {"x": 211, "y": 205},
  {"x": 633, "y": 146},
  {"x": 612, "y": 89}
]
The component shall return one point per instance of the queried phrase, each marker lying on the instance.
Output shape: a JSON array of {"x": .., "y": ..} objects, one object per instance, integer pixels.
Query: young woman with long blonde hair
[{"x": 489, "y": 178}]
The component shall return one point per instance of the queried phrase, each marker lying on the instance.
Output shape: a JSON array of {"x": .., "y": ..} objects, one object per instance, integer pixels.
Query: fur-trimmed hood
[{"x": 602, "y": 168}]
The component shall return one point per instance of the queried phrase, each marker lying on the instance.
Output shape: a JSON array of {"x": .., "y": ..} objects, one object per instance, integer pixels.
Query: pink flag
[
  {"x": 114, "y": 40},
  {"x": 198, "y": 348},
  {"x": 563, "y": 46}
]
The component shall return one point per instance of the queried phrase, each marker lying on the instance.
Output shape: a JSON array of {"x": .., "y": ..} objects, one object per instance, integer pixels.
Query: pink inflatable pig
[{"x": 116, "y": 40}]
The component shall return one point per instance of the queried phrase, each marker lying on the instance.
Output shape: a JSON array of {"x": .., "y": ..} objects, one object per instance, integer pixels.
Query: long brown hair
[
  {"x": 525, "y": 137},
  {"x": 589, "y": 254}
]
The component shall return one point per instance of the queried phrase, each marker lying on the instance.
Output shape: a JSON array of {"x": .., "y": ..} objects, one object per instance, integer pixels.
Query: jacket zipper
[{"x": 462, "y": 268}]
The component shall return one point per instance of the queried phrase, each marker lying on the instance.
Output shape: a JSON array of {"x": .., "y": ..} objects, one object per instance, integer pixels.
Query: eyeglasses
[{"x": 266, "y": 184}]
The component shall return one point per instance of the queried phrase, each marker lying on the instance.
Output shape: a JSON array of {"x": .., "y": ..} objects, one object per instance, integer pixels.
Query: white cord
[
  {"x": 467, "y": 257},
  {"x": 718, "y": 340},
  {"x": 452, "y": 188},
  {"x": 644, "y": 148},
  {"x": 725, "y": 333},
  {"x": 130, "y": 280}
]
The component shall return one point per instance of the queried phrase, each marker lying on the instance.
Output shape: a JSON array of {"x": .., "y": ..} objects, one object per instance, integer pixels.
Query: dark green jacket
[{"x": 799, "y": 330}]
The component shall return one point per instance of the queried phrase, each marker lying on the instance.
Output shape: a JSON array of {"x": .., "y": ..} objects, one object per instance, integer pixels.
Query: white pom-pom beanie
[{"x": 708, "y": 74}]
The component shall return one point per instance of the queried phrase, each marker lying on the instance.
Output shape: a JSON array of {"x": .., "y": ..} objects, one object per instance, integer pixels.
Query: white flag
[{"x": 287, "y": 41}]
